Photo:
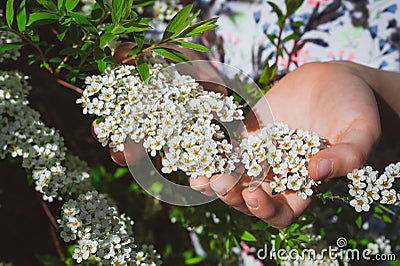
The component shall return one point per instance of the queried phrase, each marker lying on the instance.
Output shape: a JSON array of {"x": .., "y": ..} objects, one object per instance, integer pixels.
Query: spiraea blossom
[
  {"x": 166, "y": 10},
  {"x": 380, "y": 245},
  {"x": 41, "y": 148},
  {"x": 7, "y": 37},
  {"x": 88, "y": 217},
  {"x": 286, "y": 153},
  {"x": 170, "y": 113},
  {"x": 102, "y": 232},
  {"x": 366, "y": 186}
]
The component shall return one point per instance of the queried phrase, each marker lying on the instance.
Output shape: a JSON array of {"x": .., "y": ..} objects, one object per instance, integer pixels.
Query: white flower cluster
[
  {"x": 367, "y": 186},
  {"x": 87, "y": 7},
  {"x": 166, "y": 10},
  {"x": 381, "y": 245},
  {"x": 170, "y": 113},
  {"x": 5, "y": 38},
  {"x": 102, "y": 232},
  {"x": 287, "y": 152},
  {"x": 57, "y": 174},
  {"x": 41, "y": 148}
]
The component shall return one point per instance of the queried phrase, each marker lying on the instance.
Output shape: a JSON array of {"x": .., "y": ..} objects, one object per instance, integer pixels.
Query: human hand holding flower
[{"x": 336, "y": 101}]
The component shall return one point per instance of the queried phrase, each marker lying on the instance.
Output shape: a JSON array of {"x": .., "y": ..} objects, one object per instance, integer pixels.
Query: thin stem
[
  {"x": 69, "y": 86},
  {"x": 279, "y": 42},
  {"x": 133, "y": 57},
  {"x": 84, "y": 37},
  {"x": 386, "y": 209},
  {"x": 56, "y": 242},
  {"x": 42, "y": 56},
  {"x": 332, "y": 197},
  {"x": 49, "y": 214}
]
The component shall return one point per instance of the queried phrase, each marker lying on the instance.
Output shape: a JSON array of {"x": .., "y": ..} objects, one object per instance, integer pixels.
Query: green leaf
[
  {"x": 193, "y": 46},
  {"x": 55, "y": 60},
  {"x": 176, "y": 24},
  {"x": 71, "y": 4},
  {"x": 116, "y": 10},
  {"x": 359, "y": 221},
  {"x": 99, "y": 53},
  {"x": 298, "y": 23},
  {"x": 194, "y": 260},
  {"x": 228, "y": 246},
  {"x": 42, "y": 18},
  {"x": 106, "y": 38},
  {"x": 126, "y": 8},
  {"x": 143, "y": 69},
  {"x": 303, "y": 238},
  {"x": 386, "y": 218},
  {"x": 132, "y": 27},
  {"x": 260, "y": 225},
  {"x": 21, "y": 16},
  {"x": 198, "y": 28},
  {"x": 289, "y": 37},
  {"x": 61, "y": 5},
  {"x": 121, "y": 171},
  {"x": 247, "y": 236},
  {"x": 10, "y": 46},
  {"x": 267, "y": 75},
  {"x": 378, "y": 210},
  {"x": 277, "y": 243},
  {"x": 83, "y": 22},
  {"x": 10, "y": 12},
  {"x": 61, "y": 35},
  {"x": 171, "y": 54},
  {"x": 70, "y": 51},
  {"x": 47, "y": 4},
  {"x": 292, "y": 6},
  {"x": 276, "y": 9},
  {"x": 139, "y": 39},
  {"x": 101, "y": 65},
  {"x": 139, "y": 3}
]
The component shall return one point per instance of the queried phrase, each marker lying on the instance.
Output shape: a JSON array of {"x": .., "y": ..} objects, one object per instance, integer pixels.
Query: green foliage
[
  {"x": 83, "y": 43},
  {"x": 80, "y": 46}
]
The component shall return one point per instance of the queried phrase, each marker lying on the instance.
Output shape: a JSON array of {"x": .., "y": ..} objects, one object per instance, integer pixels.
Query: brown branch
[
  {"x": 69, "y": 86},
  {"x": 49, "y": 214},
  {"x": 56, "y": 241},
  {"x": 133, "y": 57}
]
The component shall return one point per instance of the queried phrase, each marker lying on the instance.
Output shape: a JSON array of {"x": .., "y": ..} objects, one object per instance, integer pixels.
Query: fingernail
[
  {"x": 252, "y": 203},
  {"x": 97, "y": 130},
  {"x": 324, "y": 168}
]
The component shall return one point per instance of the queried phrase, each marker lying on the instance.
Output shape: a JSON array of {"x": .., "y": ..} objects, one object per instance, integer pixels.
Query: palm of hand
[{"x": 329, "y": 99}]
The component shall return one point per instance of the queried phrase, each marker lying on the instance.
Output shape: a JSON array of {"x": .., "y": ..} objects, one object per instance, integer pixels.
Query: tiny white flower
[{"x": 360, "y": 203}]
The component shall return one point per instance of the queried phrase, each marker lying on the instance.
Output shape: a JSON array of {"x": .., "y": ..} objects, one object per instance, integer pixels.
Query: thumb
[{"x": 342, "y": 158}]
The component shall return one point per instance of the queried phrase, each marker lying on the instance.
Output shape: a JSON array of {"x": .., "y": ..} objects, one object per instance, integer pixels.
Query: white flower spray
[
  {"x": 170, "y": 113},
  {"x": 88, "y": 217},
  {"x": 175, "y": 117}
]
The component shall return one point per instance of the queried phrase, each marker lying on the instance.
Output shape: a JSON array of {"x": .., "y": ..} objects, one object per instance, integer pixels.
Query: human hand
[{"x": 331, "y": 99}]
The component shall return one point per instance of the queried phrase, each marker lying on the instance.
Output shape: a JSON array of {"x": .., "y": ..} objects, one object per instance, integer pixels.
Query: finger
[
  {"x": 350, "y": 153},
  {"x": 229, "y": 189},
  {"x": 95, "y": 129},
  {"x": 273, "y": 210},
  {"x": 201, "y": 184},
  {"x": 118, "y": 157}
]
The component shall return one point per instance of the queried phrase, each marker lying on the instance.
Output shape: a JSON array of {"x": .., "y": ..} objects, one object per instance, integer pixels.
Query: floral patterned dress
[{"x": 363, "y": 31}]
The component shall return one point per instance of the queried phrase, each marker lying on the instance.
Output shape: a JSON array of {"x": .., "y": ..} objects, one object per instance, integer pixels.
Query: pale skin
[{"x": 334, "y": 100}]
